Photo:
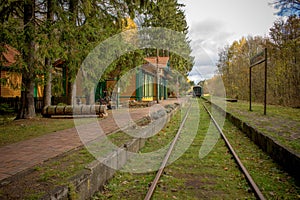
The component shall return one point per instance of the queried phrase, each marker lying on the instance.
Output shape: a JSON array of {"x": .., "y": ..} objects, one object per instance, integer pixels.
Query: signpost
[{"x": 256, "y": 60}]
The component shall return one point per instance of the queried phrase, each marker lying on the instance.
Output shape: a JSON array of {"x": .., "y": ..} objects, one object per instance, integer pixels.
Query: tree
[
  {"x": 48, "y": 61},
  {"x": 287, "y": 7},
  {"x": 69, "y": 30},
  {"x": 169, "y": 14},
  {"x": 27, "y": 97},
  {"x": 284, "y": 45},
  {"x": 283, "y": 65}
]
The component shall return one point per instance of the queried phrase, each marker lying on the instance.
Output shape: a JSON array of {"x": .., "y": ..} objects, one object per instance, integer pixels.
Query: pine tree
[
  {"x": 169, "y": 14},
  {"x": 27, "y": 96}
]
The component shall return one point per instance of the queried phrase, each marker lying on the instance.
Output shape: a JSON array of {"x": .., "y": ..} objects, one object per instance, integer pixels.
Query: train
[{"x": 197, "y": 91}]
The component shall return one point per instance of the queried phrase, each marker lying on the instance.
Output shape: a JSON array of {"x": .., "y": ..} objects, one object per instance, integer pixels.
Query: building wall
[
  {"x": 128, "y": 92},
  {"x": 140, "y": 86},
  {"x": 148, "y": 86},
  {"x": 13, "y": 86}
]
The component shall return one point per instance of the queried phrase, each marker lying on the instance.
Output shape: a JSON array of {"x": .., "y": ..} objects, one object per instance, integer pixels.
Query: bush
[{"x": 6, "y": 109}]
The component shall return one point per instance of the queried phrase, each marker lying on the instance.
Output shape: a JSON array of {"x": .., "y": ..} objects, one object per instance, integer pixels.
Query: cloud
[
  {"x": 202, "y": 72},
  {"x": 214, "y": 24},
  {"x": 204, "y": 28},
  {"x": 206, "y": 38}
]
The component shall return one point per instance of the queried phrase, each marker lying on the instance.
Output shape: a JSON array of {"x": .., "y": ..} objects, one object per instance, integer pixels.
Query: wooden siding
[{"x": 13, "y": 86}]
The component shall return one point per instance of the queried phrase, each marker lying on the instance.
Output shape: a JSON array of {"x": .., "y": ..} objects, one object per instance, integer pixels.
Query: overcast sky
[{"x": 215, "y": 23}]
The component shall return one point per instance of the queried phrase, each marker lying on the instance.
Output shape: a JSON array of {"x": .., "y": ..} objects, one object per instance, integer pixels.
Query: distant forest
[{"x": 283, "y": 46}]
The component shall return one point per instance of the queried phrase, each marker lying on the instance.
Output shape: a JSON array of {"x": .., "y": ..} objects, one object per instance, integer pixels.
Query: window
[{"x": 148, "y": 85}]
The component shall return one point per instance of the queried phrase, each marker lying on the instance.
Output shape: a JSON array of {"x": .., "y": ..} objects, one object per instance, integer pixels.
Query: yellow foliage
[
  {"x": 128, "y": 24},
  {"x": 130, "y": 27}
]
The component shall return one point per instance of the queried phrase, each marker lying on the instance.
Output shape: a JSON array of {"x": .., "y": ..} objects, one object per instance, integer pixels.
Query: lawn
[
  {"x": 18, "y": 130},
  {"x": 281, "y": 123}
]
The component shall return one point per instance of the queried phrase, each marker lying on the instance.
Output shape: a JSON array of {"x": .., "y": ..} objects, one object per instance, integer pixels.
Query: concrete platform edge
[{"x": 96, "y": 174}]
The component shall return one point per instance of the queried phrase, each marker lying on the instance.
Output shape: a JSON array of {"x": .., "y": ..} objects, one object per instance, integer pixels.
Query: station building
[
  {"x": 11, "y": 77},
  {"x": 147, "y": 83}
]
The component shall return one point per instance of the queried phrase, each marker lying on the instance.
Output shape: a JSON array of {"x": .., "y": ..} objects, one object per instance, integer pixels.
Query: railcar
[{"x": 197, "y": 91}]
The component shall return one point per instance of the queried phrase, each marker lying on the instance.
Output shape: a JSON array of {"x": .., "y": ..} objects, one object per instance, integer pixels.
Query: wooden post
[
  {"x": 265, "y": 99},
  {"x": 256, "y": 60},
  {"x": 250, "y": 88}
]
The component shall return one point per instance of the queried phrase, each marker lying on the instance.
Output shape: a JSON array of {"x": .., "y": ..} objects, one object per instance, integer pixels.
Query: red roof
[
  {"x": 162, "y": 61},
  {"x": 9, "y": 55}
]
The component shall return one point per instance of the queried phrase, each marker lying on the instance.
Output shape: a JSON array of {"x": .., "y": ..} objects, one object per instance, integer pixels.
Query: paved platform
[{"x": 17, "y": 157}]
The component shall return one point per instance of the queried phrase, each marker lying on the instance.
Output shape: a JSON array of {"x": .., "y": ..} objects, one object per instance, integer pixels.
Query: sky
[{"x": 216, "y": 23}]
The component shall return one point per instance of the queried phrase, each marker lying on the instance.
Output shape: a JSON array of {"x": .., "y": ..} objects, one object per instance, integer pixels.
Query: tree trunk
[
  {"x": 47, "y": 87},
  {"x": 90, "y": 97},
  {"x": 48, "y": 75},
  {"x": 70, "y": 85},
  {"x": 69, "y": 93},
  {"x": 27, "y": 109}
]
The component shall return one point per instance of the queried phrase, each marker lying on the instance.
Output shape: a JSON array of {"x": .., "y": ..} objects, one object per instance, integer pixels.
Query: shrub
[{"x": 6, "y": 109}]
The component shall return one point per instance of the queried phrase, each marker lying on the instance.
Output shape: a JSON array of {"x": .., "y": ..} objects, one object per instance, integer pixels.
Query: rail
[
  {"x": 166, "y": 158},
  {"x": 243, "y": 169},
  {"x": 251, "y": 182}
]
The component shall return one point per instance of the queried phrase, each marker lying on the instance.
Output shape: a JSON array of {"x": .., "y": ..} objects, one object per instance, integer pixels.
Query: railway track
[
  {"x": 250, "y": 180},
  {"x": 214, "y": 176},
  {"x": 166, "y": 158},
  {"x": 243, "y": 169}
]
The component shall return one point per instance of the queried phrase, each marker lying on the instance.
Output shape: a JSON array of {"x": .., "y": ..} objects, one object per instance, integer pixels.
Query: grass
[
  {"x": 24, "y": 129},
  {"x": 213, "y": 177},
  {"x": 216, "y": 176},
  {"x": 272, "y": 110},
  {"x": 47, "y": 176},
  {"x": 258, "y": 108},
  {"x": 270, "y": 177},
  {"x": 186, "y": 178},
  {"x": 58, "y": 172},
  {"x": 280, "y": 123},
  {"x": 20, "y": 130},
  {"x": 128, "y": 186}
]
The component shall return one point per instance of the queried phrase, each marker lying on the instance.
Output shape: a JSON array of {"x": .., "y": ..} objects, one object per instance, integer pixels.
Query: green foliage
[
  {"x": 61, "y": 104},
  {"x": 5, "y": 109},
  {"x": 70, "y": 30},
  {"x": 72, "y": 195},
  {"x": 169, "y": 14},
  {"x": 6, "y": 112}
]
